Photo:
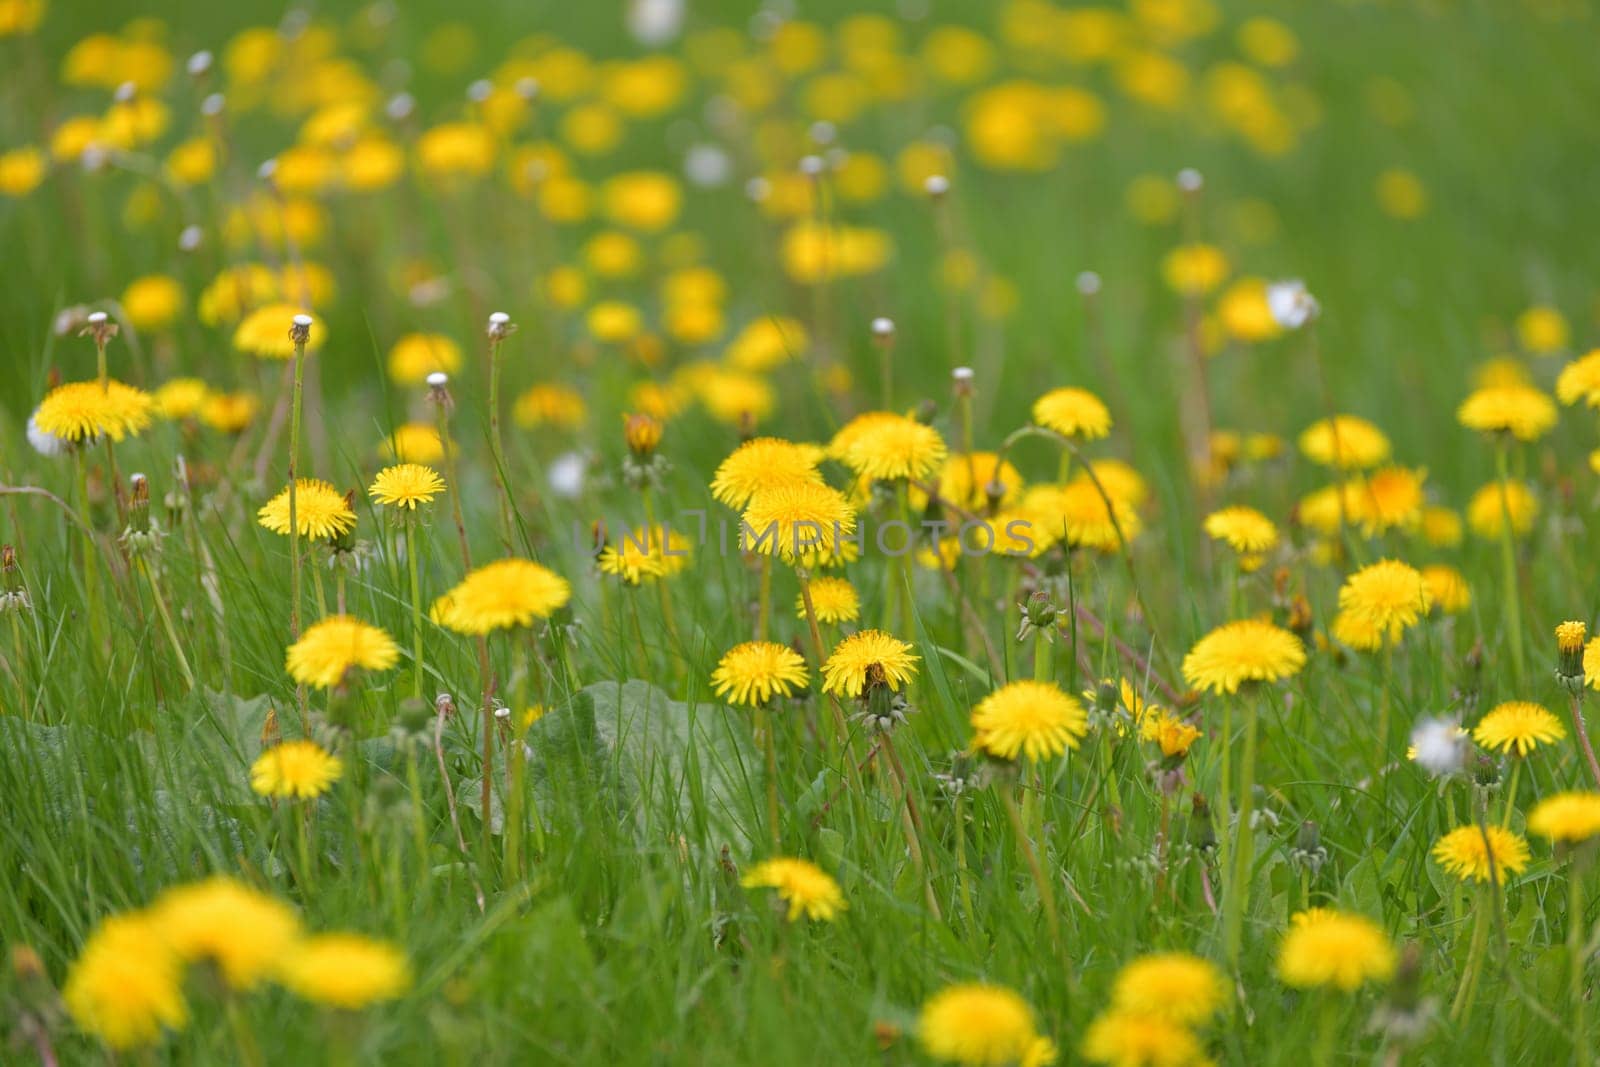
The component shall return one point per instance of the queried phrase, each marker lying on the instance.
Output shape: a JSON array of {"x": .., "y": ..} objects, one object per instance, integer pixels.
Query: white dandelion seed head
[
  {"x": 1440, "y": 744},
  {"x": 566, "y": 475},
  {"x": 212, "y": 105},
  {"x": 882, "y": 327},
  {"x": 43, "y": 441},
  {"x": 198, "y": 64},
  {"x": 963, "y": 375},
  {"x": 936, "y": 185},
  {"x": 823, "y": 132},
  {"x": 654, "y": 23},
  {"x": 190, "y": 238},
  {"x": 1088, "y": 282},
  {"x": 302, "y": 320},
  {"x": 438, "y": 379},
  {"x": 479, "y": 91},
  {"x": 811, "y": 166},
  {"x": 1291, "y": 304},
  {"x": 527, "y": 88},
  {"x": 1191, "y": 180},
  {"x": 706, "y": 166},
  {"x": 400, "y": 107}
]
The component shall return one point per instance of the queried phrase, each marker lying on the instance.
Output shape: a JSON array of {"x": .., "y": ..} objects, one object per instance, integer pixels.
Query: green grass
[{"x": 626, "y": 937}]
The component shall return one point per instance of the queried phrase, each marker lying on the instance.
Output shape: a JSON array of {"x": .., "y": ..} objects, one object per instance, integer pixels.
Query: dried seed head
[
  {"x": 883, "y": 328},
  {"x": 936, "y": 185},
  {"x": 500, "y": 326},
  {"x": 300, "y": 329}
]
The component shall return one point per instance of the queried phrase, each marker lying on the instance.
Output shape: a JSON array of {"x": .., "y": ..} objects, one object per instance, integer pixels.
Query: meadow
[{"x": 668, "y": 532}]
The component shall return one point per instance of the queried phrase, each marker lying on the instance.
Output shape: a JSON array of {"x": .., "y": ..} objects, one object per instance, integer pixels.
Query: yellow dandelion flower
[
  {"x": 882, "y": 446},
  {"x": 1137, "y": 1039},
  {"x": 866, "y": 660},
  {"x": 244, "y": 932},
  {"x": 807, "y": 889},
  {"x": 297, "y": 770},
  {"x": 966, "y": 481},
  {"x": 152, "y": 303},
  {"x": 736, "y": 399},
  {"x": 1194, "y": 269},
  {"x": 1441, "y": 527},
  {"x": 803, "y": 522},
  {"x": 264, "y": 332},
  {"x": 1447, "y": 588},
  {"x": 83, "y": 411},
  {"x": 1028, "y": 718},
  {"x": 332, "y": 647},
  {"x": 230, "y": 412},
  {"x": 1236, "y": 653},
  {"x": 417, "y": 355},
  {"x": 1466, "y": 852},
  {"x": 347, "y": 971},
  {"x": 1542, "y": 330},
  {"x": 550, "y": 404},
  {"x": 500, "y": 596},
  {"x": 1078, "y": 513},
  {"x": 1522, "y": 411},
  {"x": 1580, "y": 380},
  {"x": 977, "y": 1025},
  {"x": 638, "y": 555},
  {"x": 1175, "y": 736},
  {"x": 753, "y": 673},
  {"x": 1325, "y": 948},
  {"x": 1245, "y": 530},
  {"x": 415, "y": 442},
  {"x": 1073, "y": 412},
  {"x": 126, "y": 986},
  {"x": 405, "y": 485},
  {"x": 834, "y": 600},
  {"x": 1517, "y": 726},
  {"x": 764, "y": 463},
  {"x": 321, "y": 511},
  {"x": 1389, "y": 499},
  {"x": 181, "y": 398},
  {"x": 1345, "y": 442},
  {"x": 1178, "y": 986},
  {"x": 1385, "y": 598},
  {"x": 1493, "y": 504},
  {"x": 1566, "y": 818}
]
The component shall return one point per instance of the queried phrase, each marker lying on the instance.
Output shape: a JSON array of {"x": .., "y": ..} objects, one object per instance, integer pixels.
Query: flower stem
[
  {"x": 416, "y": 605},
  {"x": 506, "y": 504},
  {"x": 1582, "y": 730},
  {"x": 1460, "y": 1007},
  {"x": 1508, "y": 561},
  {"x": 298, "y": 390},
  {"x": 1047, "y": 897},
  {"x": 1576, "y": 958},
  {"x": 166, "y": 624},
  {"x": 1511, "y": 790},
  {"x": 770, "y": 751},
  {"x": 91, "y": 560},
  {"x": 1238, "y": 897}
]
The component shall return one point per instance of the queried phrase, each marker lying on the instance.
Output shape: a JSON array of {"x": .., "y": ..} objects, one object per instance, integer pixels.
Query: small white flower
[
  {"x": 567, "y": 474},
  {"x": 1440, "y": 746},
  {"x": 1291, "y": 304},
  {"x": 707, "y": 166}
]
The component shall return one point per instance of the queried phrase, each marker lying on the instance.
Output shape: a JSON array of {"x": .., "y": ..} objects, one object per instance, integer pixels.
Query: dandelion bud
[
  {"x": 1038, "y": 617},
  {"x": 1570, "y": 637},
  {"x": 936, "y": 185},
  {"x": 500, "y": 326},
  {"x": 1190, "y": 180},
  {"x": 1202, "y": 836},
  {"x": 882, "y": 329},
  {"x": 199, "y": 64},
  {"x": 1485, "y": 772},
  {"x": 12, "y": 596},
  {"x": 1088, "y": 282},
  {"x": 642, "y": 434},
  {"x": 300, "y": 329}
]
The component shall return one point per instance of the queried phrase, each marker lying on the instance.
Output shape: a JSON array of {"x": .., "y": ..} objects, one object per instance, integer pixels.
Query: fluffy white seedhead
[
  {"x": 882, "y": 327},
  {"x": 1440, "y": 745},
  {"x": 654, "y": 23},
  {"x": 527, "y": 88},
  {"x": 1088, "y": 282},
  {"x": 1190, "y": 180},
  {"x": 811, "y": 166},
  {"x": 1291, "y": 303},
  {"x": 96, "y": 318},
  {"x": 303, "y": 321},
  {"x": 212, "y": 105},
  {"x": 936, "y": 185},
  {"x": 267, "y": 170},
  {"x": 198, "y": 64},
  {"x": 757, "y": 189},
  {"x": 400, "y": 106},
  {"x": 438, "y": 379},
  {"x": 962, "y": 375},
  {"x": 706, "y": 166},
  {"x": 566, "y": 475},
  {"x": 125, "y": 92},
  {"x": 479, "y": 90},
  {"x": 823, "y": 132},
  {"x": 190, "y": 239}
]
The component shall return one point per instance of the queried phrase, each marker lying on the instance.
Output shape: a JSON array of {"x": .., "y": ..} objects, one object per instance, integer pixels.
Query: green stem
[
  {"x": 166, "y": 624},
  {"x": 506, "y": 504},
  {"x": 764, "y": 606},
  {"x": 91, "y": 560},
  {"x": 1238, "y": 898},
  {"x": 1460, "y": 1007},
  {"x": 1508, "y": 561},
  {"x": 294, "y": 509},
  {"x": 1511, "y": 790},
  {"x": 1576, "y": 960},
  {"x": 1047, "y": 897},
  {"x": 770, "y": 751},
  {"x": 416, "y": 605}
]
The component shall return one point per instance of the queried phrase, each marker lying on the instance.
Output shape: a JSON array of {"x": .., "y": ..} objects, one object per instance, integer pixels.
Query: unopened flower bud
[
  {"x": 642, "y": 434},
  {"x": 1570, "y": 638}
]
